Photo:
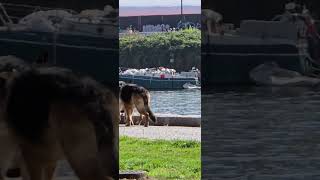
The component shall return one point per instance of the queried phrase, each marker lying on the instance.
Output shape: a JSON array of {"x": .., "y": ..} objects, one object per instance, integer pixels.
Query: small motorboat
[{"x": 191, "y": 86}]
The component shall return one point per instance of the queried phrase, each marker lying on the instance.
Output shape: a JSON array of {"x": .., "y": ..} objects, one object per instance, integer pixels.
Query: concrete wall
[{"x": 173, "y": 120}]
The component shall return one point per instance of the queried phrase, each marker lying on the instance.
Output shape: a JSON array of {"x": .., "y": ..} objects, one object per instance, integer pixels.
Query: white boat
[
  {"x": 191, "y": 86},
  {"x": 228, "y": 57},
  {"x": 88, "y": 22},
  {"x": 159, "y": 78}
]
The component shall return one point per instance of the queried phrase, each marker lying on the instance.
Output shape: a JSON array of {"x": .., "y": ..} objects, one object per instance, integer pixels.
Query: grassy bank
[
  {"x": 161, "y": 159},
  {"x": 139, "y": 51}
]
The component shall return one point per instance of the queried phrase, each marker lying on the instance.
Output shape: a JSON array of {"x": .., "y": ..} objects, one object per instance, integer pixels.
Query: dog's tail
[{"x": 146, "y": 100}]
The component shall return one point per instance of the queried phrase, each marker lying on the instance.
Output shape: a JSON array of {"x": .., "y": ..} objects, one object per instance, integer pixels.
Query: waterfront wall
[
  {"x": 179, "y": 50},
  {"x": 172, "y": 120}
]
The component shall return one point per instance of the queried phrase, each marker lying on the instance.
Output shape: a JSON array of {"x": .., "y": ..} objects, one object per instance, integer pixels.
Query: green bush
[{"x": 140, "y": 51}]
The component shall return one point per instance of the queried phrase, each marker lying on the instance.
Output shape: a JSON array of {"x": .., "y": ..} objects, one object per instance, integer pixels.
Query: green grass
[{"x": 161, "y": 159}]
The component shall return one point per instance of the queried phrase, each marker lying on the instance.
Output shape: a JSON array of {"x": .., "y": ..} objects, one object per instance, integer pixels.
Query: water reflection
[
  {"x": 261, "y": 133},
  {"x": 185, "y": 102}
]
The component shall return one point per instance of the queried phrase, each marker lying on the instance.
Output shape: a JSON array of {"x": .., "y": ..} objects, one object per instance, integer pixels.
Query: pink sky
[{"x": 147, "y": 11}]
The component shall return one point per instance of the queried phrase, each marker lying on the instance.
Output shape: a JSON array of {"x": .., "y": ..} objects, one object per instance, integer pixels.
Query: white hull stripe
[{"x": 157, "y": 79}]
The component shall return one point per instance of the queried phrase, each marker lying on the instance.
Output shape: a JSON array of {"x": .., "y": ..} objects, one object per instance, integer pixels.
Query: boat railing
[
  {"x": 14, "y": 12},
  {"x": 4, "y": 17},
  {"x": 317, "y": 23},
  {"x": 312, "y": 67}
]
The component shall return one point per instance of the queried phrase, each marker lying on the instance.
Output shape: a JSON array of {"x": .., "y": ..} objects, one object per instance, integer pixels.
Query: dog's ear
[{"x": 6, "y": 77}]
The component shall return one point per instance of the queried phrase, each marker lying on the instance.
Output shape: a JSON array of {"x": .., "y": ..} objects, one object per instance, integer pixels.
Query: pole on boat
[
  {"x": 181, "y": 8},
  {"x": 4, "y": 17},
  {"x": 55, "y": 47}
]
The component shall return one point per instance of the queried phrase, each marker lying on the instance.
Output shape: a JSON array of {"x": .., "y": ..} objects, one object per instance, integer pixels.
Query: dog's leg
[
  {"x": 78, "y": 138},
  {"x": 39, "y": 171},
  {"x": 49, "y": 170},
  {"x": 140, "y": 105},
  {"x": 81, "y": 151},
  {"x": 38, "y": 161},
  {"x": 34, "y": 167},
  {"x": 24, "y": 171},
  {"x": 121, "y": 110},
  {"x": 146, "y": 120},
  {"x": 131, "y": 118},
  {"x": 129, "y": 111},
  {"x": 1, "y": 174},
  {"x": 141, "y": 119},
  {"x": 14, "y": 168},
  {"x": 127, "y": 115},
  {"x": 122, "y": 116},
  {"x": 144, "y": 116}
]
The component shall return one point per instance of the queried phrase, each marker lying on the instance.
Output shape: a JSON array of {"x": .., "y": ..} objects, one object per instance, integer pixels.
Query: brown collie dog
[
  {"x": 51, "y": 114},
  {"x": 131, "y": 96}
]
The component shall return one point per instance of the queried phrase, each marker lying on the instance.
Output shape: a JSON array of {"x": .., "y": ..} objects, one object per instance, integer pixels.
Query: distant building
[
  {"x": 137, "y": 22},
  {"x": 137, "y": 17}
]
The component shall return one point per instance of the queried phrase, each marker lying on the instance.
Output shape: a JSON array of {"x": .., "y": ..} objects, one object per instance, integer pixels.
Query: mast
[{"x": 181, "y": 8}]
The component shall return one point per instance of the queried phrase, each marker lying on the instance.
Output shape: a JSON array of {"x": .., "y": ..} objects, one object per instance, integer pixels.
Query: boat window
[
  {"x": 100, "y": 30},
  {"x": 317, "y": 23},
  {"x": 43, "y": 58}
]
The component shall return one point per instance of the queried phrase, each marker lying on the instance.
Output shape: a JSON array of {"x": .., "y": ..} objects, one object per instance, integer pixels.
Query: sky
[{"x": 143, "y": 3}]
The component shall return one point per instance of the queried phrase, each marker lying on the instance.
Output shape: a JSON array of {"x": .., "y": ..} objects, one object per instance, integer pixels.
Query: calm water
[
  {"x": 184, "y": 102},
  {"x": 261, "y": 134}
]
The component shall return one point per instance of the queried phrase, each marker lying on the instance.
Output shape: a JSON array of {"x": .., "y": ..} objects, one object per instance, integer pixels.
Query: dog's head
[
  {"x": 121, "y": 84},
  {"x": 5, "y": 78},
  {"x": 10, "y": 66}
]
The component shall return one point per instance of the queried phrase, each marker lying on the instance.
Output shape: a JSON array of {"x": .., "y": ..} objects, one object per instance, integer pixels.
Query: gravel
[{"x": 162, "y": 132}]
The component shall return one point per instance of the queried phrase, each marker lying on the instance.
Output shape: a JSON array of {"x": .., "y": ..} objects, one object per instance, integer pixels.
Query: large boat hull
[
  {"x": 90, "y": 55},
  {"x": 231, "y": 65}
]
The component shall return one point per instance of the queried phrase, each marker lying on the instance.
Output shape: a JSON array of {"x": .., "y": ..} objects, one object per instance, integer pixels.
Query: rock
[{"x": 139, "y": 175}]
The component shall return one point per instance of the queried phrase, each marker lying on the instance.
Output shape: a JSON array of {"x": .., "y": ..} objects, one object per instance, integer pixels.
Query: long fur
[
  {"x": 32, "y": 92},
  {"x": 10, "y": 154}
]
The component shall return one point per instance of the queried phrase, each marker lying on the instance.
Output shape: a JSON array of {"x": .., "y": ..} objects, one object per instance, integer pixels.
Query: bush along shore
[{"x": 180, "y": 50}]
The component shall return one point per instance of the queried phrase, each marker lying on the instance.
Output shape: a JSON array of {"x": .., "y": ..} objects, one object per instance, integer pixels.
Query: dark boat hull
[
  {"x": 89, "y": 55},
  {"x": 156, "y": 83},
  {"x": 231, "y": 64}
]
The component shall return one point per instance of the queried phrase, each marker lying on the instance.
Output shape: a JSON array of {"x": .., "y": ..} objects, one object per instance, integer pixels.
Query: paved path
[{"x": 162, "y": 132}]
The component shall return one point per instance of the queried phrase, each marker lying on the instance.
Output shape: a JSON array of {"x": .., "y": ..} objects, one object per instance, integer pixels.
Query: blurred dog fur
[
  {"x": 50, "y": 114},
  {"x": 132, "y": 95},
  {"x": 10, "y": 155}
]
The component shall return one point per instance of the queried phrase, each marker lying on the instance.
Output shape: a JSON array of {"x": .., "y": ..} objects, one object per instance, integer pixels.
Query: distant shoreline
[{"x": 126, "y": 11}]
